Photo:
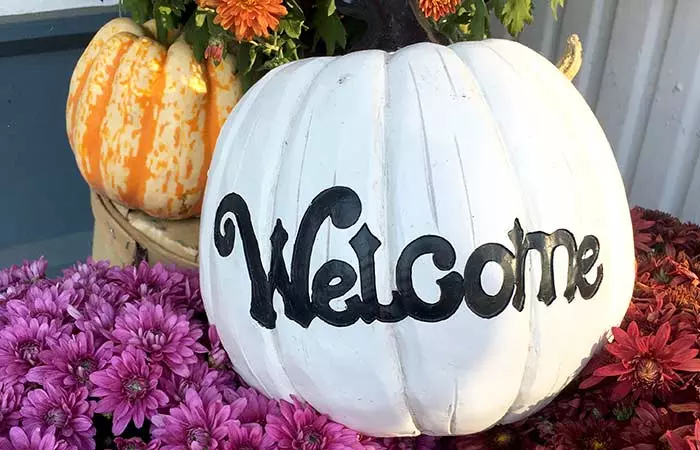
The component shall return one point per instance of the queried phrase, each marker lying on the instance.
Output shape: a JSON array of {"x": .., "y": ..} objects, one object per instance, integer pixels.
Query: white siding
[
  {"x": 641, "y": 76},
  {"x": 12, "y": 7}
]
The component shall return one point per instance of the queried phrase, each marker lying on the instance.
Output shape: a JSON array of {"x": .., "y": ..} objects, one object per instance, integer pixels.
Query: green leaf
[
  {"x": 197, "y": 36},
  {"x": 479, "y": 19},
  {"x": 291, "y": 28},
  {"x": 555, "y": 4},
  {"x": 329, "y": 27},
  {"x": 515, "y": 14},
  {"x": 247, "y": 58},
  {"x": 200, "y": 19},
  {"x": 140, "y": 10},
  {"x": 292, "y": 23}
]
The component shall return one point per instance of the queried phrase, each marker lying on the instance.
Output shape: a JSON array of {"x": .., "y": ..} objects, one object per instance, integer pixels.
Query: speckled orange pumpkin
[{"x": 143, "y": 119}]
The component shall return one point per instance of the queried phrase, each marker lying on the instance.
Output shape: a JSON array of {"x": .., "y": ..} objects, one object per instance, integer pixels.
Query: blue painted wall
[{"x": 44, "y": 202}]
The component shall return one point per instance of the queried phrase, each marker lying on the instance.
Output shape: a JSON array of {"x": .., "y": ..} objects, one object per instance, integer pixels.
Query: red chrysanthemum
[
  {"x": 642, "y": 241},
  {"x": 677, "y": 440},
  {"x": 649, "y": 316},
  {"x": 649, "y": 426},
  {"x": 646, "y": 364},
  {"x": 685, "y": 297},
  {"x": 590, "y": 434},
  {"x": 500, "y": 437}
]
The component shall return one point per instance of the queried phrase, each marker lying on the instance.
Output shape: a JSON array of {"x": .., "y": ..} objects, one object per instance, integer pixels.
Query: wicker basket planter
[{"x": 123, "y": 236}]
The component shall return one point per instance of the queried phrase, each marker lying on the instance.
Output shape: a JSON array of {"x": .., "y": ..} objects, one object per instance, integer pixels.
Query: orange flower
[
  {"x": 213, "y": 4},
  {"x": 248, "y": 18},
  {"x": 438, "y": 9}
]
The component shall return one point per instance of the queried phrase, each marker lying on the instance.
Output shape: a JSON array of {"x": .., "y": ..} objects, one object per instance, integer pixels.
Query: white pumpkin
[{"x": 428, "y": 148}]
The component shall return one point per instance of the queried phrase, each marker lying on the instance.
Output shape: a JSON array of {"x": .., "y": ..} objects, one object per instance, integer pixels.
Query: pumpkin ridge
[
  {"x": 393, "y": 252},
  {"x": 72, "y": 111},
  {"x": 91, "y": 145},
  {"x": 84, "y": 66},
  {"x": 136, "y": 179},
  {"x": 292, "y": 128},
  {"x": 534, "y": 329},
  {"x": 464, "y": 56},
  {"x": 210, "y": 135}
]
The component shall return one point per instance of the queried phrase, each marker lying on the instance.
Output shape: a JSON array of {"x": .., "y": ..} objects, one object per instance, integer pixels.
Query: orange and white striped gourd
[{"x": 143, "y": 118}]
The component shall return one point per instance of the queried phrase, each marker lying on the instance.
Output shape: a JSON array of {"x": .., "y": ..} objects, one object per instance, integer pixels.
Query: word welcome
[{"x": 336, "y": 278}]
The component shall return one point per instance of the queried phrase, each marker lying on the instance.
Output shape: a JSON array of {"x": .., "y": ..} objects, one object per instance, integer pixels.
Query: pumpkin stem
[
  {"x": 570, "y": 62},
  {"x": 391, "y": 24}
]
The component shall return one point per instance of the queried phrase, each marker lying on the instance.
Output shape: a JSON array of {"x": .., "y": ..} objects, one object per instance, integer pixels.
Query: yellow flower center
[{"x": 648, "y": 371}]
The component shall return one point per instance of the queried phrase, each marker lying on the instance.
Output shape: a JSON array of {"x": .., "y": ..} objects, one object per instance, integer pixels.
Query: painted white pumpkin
[{"x": 428, "y": 148}]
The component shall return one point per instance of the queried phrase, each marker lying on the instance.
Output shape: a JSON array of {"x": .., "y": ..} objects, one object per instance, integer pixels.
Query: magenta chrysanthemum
[
  {"x": 135, "y": 444},
  {"x": 217, "y": 355},
  {"x": 20, "y": 345},
  {"x": 201, "y": 422},
  {"x": 67, "y": 414},
  {"x": 28, "y": 272},
  {"x": 72, "y": 361},
  {"x": 20, "y": 439},
  {"x": 11, "y": 395},
  {"x": 97, "y": 317},
  {"x": 201, "y": 378},
  {"x": 144, "y": 281},
  {"x": 257, "y": 406},
  {"x": 41, "y": 303},
  {"x": 165, "y": 336},
  {"x": 16, "y": 280},
  {"x": 249, "y": 436},
  {"x": 86, "y": 279},
  {"x": 88, "y": 272},
  {"x": 128, "y": 388},
  {"x": 299, "y": 427}
]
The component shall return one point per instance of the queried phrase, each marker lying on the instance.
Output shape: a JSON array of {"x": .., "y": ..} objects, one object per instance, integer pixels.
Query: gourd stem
[{"x": 570, "y": 62}]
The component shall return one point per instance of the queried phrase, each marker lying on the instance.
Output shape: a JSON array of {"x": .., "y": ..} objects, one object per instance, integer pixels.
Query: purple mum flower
[
  {"x": 258, "y": 406},
  {"x": 165, "y": 336},
  {"x": 36, "y": 440},
  {"x": 135, "y": 444},
  {"x": 47, "y": 303},
  {"x": 20, "y": 345},
  {"x": 201, "y": 378},
  {"x": 192, "y": 291},
  {"x": 370, "y": 443},
  {"x": 16, "y": 280},
  {"x": 202, "y": 422},
  {"x": 145, "y": 281},
  {"x": 67, "y": 414},
  {"x": 28, "y": 272},
  {"x": 86, "y": 279},
  {"x": 421, "y": 442},
  {"x": 128, "y": 388},
  {"x": 87, "y": 272},
  {"x": 299, "y": 427},
  {"x": 71, "y": 362},
  {"x": 217, "y": 356},
  {"x": 10, "y": 401},
  {"x": 97, "y": 317},
  {"x": 249, "y": 436}
]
